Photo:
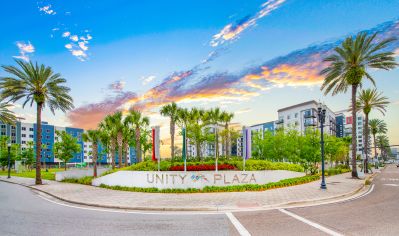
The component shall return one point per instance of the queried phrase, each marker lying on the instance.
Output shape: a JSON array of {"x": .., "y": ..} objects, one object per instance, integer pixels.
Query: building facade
[
  {"x": 23, "y": 133},
  {"x": 344, "y": 121}
]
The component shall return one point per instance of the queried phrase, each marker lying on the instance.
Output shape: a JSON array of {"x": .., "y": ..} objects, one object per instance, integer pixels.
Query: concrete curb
[{"x": 209, "y": 209}]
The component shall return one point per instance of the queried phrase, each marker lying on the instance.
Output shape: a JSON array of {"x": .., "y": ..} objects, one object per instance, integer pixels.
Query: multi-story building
[
  {"x": 344, "y": 122},
  {"x": 304, "y": 115},
  {"x": 22, "y": 133}
]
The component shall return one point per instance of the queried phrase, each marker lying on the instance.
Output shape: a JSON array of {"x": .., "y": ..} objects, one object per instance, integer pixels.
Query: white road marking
[
  {"x": 130, "y": 212},
  {"x": 240, "y": 228},
  {"x": 395, "y": 185},
  {"x": 311, "y": 223}
]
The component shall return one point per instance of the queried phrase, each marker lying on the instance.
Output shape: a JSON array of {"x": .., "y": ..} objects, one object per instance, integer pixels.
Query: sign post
[
  {"x": 184, "y": 148},
  {"x": 246, "y": 134},
  {"x": 155, "y": 146}
]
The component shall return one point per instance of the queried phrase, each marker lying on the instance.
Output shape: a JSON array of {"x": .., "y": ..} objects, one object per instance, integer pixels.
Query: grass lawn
[{"x": 50, "y": 175}]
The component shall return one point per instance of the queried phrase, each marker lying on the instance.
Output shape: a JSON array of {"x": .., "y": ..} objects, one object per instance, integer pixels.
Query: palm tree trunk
[
  {"x": 138, "y": 145},
  {"x": 198, "y": 147},
  {"x": 120, "y": 147},
  {"x": 172, "y": 138},
  {"x": 354, "y": 138},
  {"x": 95, "y": 154},
  {"x": 38, "y": 142},
  {"x": 366, "y": 142},
  {"x": 113, "y": 152},
  {"x": 375, "y": 146},
  {"x": 125, "y": 153}
]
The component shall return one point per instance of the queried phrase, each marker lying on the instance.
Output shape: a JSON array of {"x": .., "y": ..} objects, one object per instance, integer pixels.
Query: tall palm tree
[
  {"x": 93, "y": 136},
  {"x": 183, "y": 118},
  {"x": 214, "y": 118},
  {"x": 171, "y": 110},
  {"x": 138, "y": 121},
  {"x": 368, "y": 100},
  {"x": 40, "y": 85},
  {"x": 377, "y": 126},
  {"x": 348, "y": 68},
  {"x": 6, "y": 116},
  {"x": 109, "y": 125},
  {"x": 118, "y": 126},
  {"x": 105, "y": 140},
  {"x": 226, "y": 118},
  {"x": 128, "y": 135},
  {"x": 383, "y": 143}
]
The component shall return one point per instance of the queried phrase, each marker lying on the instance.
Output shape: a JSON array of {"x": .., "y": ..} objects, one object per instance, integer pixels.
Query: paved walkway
[{"x": 339, "y": 186}]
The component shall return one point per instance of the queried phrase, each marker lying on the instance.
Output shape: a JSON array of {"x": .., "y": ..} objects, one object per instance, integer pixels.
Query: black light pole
[
  {"x": 9, "y": 161},
  {"x": 322, "y": 116}
]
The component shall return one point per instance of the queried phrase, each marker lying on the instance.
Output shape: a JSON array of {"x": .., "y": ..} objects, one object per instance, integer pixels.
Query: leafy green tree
[
  {"x": 109, "y": 127},
  {"x": 40, "y": 85},
  {"x": 136, "y": 120},
  {"x": 348, "y": 68},
  {"x": 172, "y": 111},
  {"x": 93, "y": 136},
  {"x": 28, "y": 155},
  {"x": 66, "y": 147},
  {"x": 367, "y": 101},
  {"x": 226, "y": 119}
]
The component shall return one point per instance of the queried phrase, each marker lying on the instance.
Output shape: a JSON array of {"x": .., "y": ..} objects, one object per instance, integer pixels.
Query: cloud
[
  {"x": 148, "y": 79},
  {"x": 117, "y": 86},
  {"x": 245, "y": 110},
  {"x": 47, "y": 10},
  {"x": 24, "y": 50},
  {"x": 74, "y": 38},
  {"x": 88, "y": 116},
  {"x": 66, "y": 34},
  {"x": 233, "y": 30},
  {"x": 298, "y": 68},
  {"x": 68, "y": 46},
  {"x": 83, "y": 46}
]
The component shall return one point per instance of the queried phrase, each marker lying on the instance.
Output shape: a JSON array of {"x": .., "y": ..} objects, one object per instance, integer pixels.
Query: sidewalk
[{"x": 338, "y": 186}]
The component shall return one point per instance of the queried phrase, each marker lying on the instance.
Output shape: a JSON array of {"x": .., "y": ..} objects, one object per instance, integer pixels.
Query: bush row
[
  {"x": 250, "y": 165},
  {"x": 235, "y": 188},
  {"x": 202, "y": 167},
  {"x": 84, "y": 180}
]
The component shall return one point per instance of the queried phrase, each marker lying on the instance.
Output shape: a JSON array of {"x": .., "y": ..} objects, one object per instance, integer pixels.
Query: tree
[
  {"x": 171, "y": 110},
  {"x": 119, "y": 126},
  {"x": 196, "y": 131},
  {"x": 40, "y": 85},
  {"x": 377, "y": 126},
  {"x": 93, "y": 136},
  {"x": 226, "y": 118},
  {"x": 215, "y": 116},
  {"x": 383, "y": 144},
  {"x": 137, "y": 121},
  {"x": 44, "y": 147},
  {"x": 348, "y": 68},
  {"x": 6, "y": 116},
  {"x": 367, "y": 101},
  {"x": 145, "y": 140},
  {"x": 109, "y": 127},
  {"x": 66, "y": 147},
  {"x": 28, "y": 155},
  {"x": 183, "y": 117}
]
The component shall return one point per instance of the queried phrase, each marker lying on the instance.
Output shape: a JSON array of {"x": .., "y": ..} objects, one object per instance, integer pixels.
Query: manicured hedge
[
  {"x": 250, "y": 165},
  {"x": 84, "y": 180},
  {"x": 235, "y": 188}
]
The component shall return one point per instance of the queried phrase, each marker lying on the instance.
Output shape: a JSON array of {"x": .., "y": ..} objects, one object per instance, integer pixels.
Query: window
[
  {"x": 30, "y": 135},
  {"x": 48, "y": 149},
  {"x": 23, "y": 135},
  {"x": 47, "y": 137},
  {"x": 3, "y": 126},
  {"x": 13, "y": 127},
  {"x": 13, "y": 134},
  {"x": 288, "y": 117},
  {"x": 296, "y": 115},
  {"x": 47, "y": 131},
  {"x": 359, "y": 118},
  {"x": 3, "y": 133},
  {"x": 30, "y": 129},
  {"x": 23, "y": 142},
  {"x": 13, "y": 141},
  {"x": 23, "y": 128},
  {"x": 23, "y": 149}
]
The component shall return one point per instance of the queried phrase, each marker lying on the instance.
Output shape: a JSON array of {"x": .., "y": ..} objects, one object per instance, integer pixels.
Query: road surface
[{"x": 24, "y": 212}]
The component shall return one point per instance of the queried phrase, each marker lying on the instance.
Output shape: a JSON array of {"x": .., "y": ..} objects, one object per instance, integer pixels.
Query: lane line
[
  {"x": 239, "y": 227},
  {"x": 311, "y": 223}
]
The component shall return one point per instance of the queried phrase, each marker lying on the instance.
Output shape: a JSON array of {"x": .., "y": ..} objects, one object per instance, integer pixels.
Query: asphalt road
[{"x": 23, "y": 212}]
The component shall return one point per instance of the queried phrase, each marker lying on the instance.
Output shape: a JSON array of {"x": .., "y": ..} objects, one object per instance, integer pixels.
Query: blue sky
[{"x": 231, "y": 54}]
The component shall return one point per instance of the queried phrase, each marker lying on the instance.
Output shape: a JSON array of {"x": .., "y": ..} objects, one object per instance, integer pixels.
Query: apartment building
[
  {"x": 344, "y": 127},
  {"x": 21, "y": 133}
]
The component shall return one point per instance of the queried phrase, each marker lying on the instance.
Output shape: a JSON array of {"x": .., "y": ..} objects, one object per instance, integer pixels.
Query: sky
[{"x": 246, "y": 57}]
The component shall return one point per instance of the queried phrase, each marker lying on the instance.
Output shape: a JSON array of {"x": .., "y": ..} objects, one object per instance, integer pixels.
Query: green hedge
[
  {"x": 235, "y": 188},
  {"x": 250, "y": 165},
  {"x": 84, "y": 180}
]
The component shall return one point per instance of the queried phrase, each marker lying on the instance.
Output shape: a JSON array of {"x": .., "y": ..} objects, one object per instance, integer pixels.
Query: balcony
[
  {"x": 310, "y": 123},
  {"x": 309, "y": 115}
]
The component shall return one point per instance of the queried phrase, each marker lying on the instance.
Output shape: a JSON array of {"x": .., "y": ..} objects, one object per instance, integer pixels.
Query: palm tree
[
  {"x": 6, "y": 116},
  {"x": 128, "y": 135},
  {"x": 348, "y": 67},
  {"x": 383, "y": 143},
  {"x": 214, "y": 118},
  {"x": 93, "y": 136},
  {"x": 109, "y": 125},
  {"x": 118, "y": 126},
  {"x": 182, "y": 121},
  {"x": 368, "y": 100},
  {"x": 105, "y": 140},
  {"x": 226, "y": 118},
  {"x": 377, "y": 126},
  {"x": 136, "y": 119},
  {"x": 171, "y": 110},
  {"x": 40, "y": 85}
]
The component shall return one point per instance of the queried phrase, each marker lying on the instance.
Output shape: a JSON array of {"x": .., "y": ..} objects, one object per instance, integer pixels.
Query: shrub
[
  {"x": 337, "y": 170},
  {"x": 84, "y": 180}
]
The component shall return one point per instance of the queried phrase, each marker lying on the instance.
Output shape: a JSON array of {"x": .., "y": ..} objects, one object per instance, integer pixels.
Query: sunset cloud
[
  {"x": 298, "y": 68},
  {"x": 233, "y": 30},
  {"x": 117, "y": 86}
]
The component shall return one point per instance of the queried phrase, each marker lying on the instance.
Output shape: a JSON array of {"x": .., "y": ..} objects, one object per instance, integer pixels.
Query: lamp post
[
  {"x": 321, "y": 112},
  {"x": 9, "y": 160}
]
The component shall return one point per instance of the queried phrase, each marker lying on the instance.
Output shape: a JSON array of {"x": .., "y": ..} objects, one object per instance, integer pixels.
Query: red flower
[{"x": 202, "y": 167}]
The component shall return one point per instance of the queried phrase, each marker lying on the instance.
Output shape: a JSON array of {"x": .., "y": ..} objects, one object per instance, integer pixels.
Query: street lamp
[
  {"x": 9, "y": 160},
  {"x": 321, "y": 112}
]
